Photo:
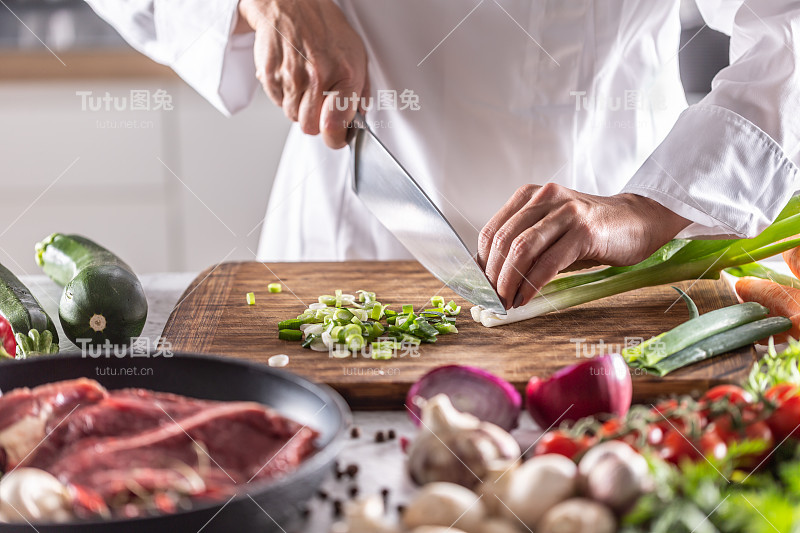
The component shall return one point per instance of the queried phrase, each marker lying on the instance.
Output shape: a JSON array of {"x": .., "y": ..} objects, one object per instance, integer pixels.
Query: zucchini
[
  {"x": 722, "y": 343},
  {"x": 103, "y": 300},
  {"x": 34, "y": 331}
]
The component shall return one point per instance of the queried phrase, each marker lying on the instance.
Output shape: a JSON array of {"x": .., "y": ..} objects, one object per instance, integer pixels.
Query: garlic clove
[{"x": 439, "y": 416}]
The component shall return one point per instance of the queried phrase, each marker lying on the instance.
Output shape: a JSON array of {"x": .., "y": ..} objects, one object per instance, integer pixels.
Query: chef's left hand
[{"x": 543, "y": 230}]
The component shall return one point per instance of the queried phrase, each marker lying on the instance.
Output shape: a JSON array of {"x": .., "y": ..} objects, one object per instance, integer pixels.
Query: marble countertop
[{"x": 381, "y": 465}]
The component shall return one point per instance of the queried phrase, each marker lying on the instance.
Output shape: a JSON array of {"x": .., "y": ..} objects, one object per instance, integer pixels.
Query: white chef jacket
[{"x": 583, "y": 93}]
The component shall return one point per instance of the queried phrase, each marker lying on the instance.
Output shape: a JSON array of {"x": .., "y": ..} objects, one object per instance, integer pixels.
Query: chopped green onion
[
  {"x": 309, "y": 339},
  {"x": 452, "y": 309},
  {"x": 290, "y": 335},
  {"x": 274, "y": 287},
  {"x": 290, "y": 324},
  {"x": 351, "y": 326},
  {"x": 366, "y": 297},
  {"x": 383, "y": 350},
  {"x": 446, "y": 328},
  {"x": 251, "y": 298},
  {"x": 327, "y": 300},
  {"x": 350, "y": 330},
  {"x": 354, "y": 342}
]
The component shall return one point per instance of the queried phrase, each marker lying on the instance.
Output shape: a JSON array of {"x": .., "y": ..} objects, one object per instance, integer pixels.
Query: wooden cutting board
[{"x": 213, "y": 317}]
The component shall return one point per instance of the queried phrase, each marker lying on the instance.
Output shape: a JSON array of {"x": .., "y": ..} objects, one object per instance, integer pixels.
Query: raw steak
[{"x": 133, "y": 451}]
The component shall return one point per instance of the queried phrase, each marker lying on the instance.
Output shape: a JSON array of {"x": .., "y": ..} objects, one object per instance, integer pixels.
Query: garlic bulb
[
  {"x": 457, "y": 447},
  {"x": 33, "y": 495}
]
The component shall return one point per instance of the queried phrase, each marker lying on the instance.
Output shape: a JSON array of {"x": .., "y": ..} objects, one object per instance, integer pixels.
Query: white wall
[{"x": 61, "y": 170}]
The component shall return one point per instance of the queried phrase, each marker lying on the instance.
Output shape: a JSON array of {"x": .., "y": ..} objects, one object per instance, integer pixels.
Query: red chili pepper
[{"x": 9, "y": 344}]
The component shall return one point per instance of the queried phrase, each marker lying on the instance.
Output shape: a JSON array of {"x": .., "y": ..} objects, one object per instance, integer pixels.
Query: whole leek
[{"x": 677, "y": 261}]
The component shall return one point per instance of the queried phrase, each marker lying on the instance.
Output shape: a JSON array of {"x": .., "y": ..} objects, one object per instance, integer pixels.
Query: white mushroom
[
  {"x": 445, "y": 504},
  {"x": 499, "y": 525},
  {"x": 614, "y": 474},
  {"x": 457, "y": 447},
  {"x": 436, "y": 529},
  {"x": 366, "y": 515},
  {"x": 33, "y": 495},
  {"x": 578, "y": 515},
  {"x": 527, "y": 492}
]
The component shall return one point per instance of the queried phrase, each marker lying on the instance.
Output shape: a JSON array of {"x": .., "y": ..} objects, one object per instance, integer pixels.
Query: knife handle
[{"x": 359, "y": 122}]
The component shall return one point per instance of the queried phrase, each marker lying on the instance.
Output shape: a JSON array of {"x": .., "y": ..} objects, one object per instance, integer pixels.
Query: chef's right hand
[{"x": 304, "y": 48}]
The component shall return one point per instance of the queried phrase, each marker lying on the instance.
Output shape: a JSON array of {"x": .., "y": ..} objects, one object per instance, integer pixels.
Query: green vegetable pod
[
  {"x": 33, "y": 329},
  {"x": 103, "y": 300}
]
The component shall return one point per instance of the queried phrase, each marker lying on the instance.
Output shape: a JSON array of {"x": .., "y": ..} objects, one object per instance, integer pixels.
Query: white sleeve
[
  {"x": 194, "y": 38},
  {"x": 729, "y": 163}
]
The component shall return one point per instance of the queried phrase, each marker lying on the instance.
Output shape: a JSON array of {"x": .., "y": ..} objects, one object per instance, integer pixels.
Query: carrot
[
  {"x": 780, "y": 300},
  {"x": 792, "y": 258}
]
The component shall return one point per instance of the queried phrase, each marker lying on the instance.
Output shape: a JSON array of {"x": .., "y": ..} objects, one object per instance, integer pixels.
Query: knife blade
[{"x": 400, "y": 204}]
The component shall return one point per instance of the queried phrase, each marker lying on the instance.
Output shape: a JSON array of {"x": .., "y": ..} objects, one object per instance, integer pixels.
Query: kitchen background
[{"x": 174, "y": 190}]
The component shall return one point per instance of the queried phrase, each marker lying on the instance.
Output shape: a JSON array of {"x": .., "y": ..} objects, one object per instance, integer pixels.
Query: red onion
[
  {"x": 601, "y": 385},
  {"x": 471, "y": 390}
]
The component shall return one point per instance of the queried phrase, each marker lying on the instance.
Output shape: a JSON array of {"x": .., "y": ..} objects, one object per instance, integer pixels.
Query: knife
[{"x": 398, "y": 202}]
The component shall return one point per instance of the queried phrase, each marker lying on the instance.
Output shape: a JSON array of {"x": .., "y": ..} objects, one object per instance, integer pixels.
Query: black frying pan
[{"x": 275, "y": 505}]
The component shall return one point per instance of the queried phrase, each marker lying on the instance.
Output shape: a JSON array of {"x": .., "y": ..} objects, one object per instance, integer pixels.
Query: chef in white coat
[{"x": 547, "y": 131}]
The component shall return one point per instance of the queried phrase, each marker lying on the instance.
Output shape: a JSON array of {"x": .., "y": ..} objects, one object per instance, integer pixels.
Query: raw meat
[{"x": 133, "y": 451}]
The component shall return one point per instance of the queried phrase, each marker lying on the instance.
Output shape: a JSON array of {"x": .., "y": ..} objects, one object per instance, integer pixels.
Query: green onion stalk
[{"x": 678, "y": 260}]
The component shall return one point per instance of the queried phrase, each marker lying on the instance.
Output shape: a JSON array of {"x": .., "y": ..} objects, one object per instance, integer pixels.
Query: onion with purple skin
[
  {"x": 601, "y": 385},
  {"x": 471, "y": 390}
]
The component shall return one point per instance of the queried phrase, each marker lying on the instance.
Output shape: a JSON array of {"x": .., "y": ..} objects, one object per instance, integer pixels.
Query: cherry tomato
[
  {"x": 752, "y": 429},
  {"x": 676, "y": 448},
  {"x": 735, "y": 395},
  {"x": 785, "y": 419},
  {"x": 560, "y": 443},
  {"x": 712, "y": 446},
  {"x": 655, "y": 434}
]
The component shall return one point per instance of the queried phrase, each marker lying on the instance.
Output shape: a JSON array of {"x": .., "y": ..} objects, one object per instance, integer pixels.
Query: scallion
[
  {"x": 251, "y": 298},
  {"x": 290, "y": 335},
  {"x": 674, "y": 262},
  {"x": 274, "y": 288}
]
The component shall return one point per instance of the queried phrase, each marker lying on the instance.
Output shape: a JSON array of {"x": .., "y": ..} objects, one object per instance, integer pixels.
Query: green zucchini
[
  {"x": 33, "y": 329},
  {"x": 103, "y": 300}
]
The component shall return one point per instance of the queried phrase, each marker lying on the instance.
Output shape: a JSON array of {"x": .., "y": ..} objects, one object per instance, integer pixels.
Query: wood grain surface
[{"x": 213, "y": 317}]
